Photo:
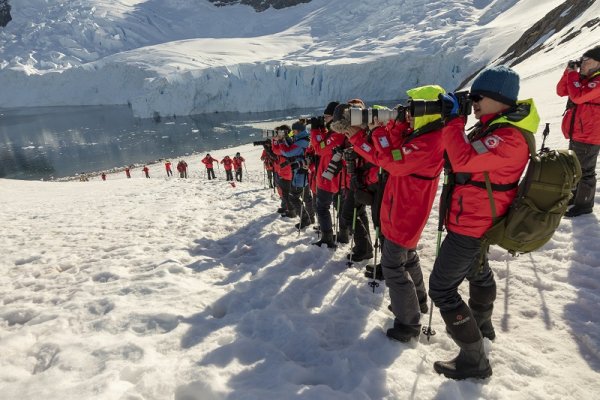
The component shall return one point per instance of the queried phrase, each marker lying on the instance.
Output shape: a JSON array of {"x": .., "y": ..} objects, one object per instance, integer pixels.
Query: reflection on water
[{"x": 54, "y": 142}]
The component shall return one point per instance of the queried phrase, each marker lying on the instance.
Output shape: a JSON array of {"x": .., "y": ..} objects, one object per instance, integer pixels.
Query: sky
[{"x": 190, "y": 289}]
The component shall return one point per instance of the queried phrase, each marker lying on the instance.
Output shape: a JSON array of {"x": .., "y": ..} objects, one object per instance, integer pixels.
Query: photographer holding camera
[
  {"x": 497, "y": 152},
  {"x": 325, "y": 142},
  {"x": 410, "y": 150},
  {"x": 293, "y": 149},
  {"x": 268, "y": 157},
  {"x": 581, "y": 124},
  {"x": 283, "y": 173}
]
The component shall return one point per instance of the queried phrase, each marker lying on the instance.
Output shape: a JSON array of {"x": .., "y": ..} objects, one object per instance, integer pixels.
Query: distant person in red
[
  {"x": 185, "y": 167},
  {"x": 127, "y": 173},
  {"x": 146, "y": 171},
  {"x": 208, "y": 162},
  {"x": 168, "y": 168},
  {"x": 103, "y": 176},
  {"x": 238, "y": 161},
  {"x": 228, "y": 165}
]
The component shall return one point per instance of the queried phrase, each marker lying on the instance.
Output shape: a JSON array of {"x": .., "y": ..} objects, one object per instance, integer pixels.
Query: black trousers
[
  {"x": 210, "y": 173},
  {"x": 587, "y": 154},
  {"x": 238, "y": 174},
  {"x": 228, "y": 175},
  {"x": 362, "y": 241},
  {"x": 460, "y": 258}
]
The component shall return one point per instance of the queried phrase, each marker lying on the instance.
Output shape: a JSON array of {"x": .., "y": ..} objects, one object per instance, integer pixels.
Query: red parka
[
  {"x": 266, "y": 159},
  {"x": 285, "y": 172},
  {"x": 227, "y": 163},
  {"x": 414, "y": 166},
  {"x": 581, "y": 122},
  {"x": 208, "y": 161},
  {"x": 503, "y": 154},
  {"x": 237, "y": 162},
  {"x": 324, "y": 142}
]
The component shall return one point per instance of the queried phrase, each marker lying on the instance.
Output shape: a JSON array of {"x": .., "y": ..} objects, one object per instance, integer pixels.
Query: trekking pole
[
  {"x": 444, "y": 199},
  {"x": 302, "y": 208},
  {"x": 264, "y": 176},
  {"x": 545, "y": 135},
  {"x": 246, "y": 170},
  {"x": 374, "y": 284},
  {"x": 350, "y": 262},
  {"x": 337, "y": 208}
]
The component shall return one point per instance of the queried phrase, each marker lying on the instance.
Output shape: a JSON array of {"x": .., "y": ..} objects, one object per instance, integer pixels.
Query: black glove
[{"x": 350, "y": 154}]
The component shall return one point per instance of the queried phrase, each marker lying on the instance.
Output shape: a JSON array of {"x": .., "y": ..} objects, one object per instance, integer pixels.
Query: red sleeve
[
  {"x": 561, "y": 87},
  {"x": 495, "y": 151},
  {"x": 579, "y": 92},
  {"x": 364, "y": 148}
]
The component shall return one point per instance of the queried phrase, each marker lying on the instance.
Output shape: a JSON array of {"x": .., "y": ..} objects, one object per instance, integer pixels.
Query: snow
[{"x": 190, "y": 289}]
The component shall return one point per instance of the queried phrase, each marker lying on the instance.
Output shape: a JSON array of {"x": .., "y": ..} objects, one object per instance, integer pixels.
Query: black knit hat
[
  {"x": 593, "y": 53},
  {"x": 330, "y": 108}
]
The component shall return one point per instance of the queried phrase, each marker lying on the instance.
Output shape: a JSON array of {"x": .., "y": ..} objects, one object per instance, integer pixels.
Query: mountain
[{"x": 187, "y": 57}]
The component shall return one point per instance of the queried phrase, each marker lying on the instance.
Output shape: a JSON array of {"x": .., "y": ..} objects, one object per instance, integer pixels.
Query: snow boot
[
  {"x": 359, "y": 256},
  {"x": 327, "y": 239},
  {"x": 403, "y": 333},
  {"x": 483, "y": 317},
  {"x": 576, "y": 211},
  {"x": 343, "y": 236},
  {"x": 481, "y": 302},
  {"x": 304, "y": 222},
  {"x": 378, "y": 272},
  {"x": 281, "y": 210},
  {"x": 471, "y": 361}
]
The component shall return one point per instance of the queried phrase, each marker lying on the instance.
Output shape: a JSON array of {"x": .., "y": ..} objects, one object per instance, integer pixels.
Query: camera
[
  {"x": 574, "y": 64},
  {"x": 269, "y": 133},
  {"x": 334, "y": 165},
  {"x": 262, "y": 143},
  {"x": 359, "y": 116},
  {"x": 317, "y": 122},
  {"x": 419, "y": 108}
]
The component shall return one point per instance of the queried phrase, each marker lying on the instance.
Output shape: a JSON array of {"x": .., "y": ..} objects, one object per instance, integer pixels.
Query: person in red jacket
[
  {"x": 411, "y": 151},
  {"x": 103, "y": 176},
  {"x": 208, "y": 162},
  {"x": 326, "y": 143},
  {"x": 228, "y": 166},
  {"x": 581, "y": 124},
  {"x": 283, "y": 174},
  {"x": 127, "y": 172},
  {"x": 146, "y": 171},
  {"x": 168, "y": 168},
  {"x": 267, "y": 157},
  {"x": 238, "y": 162},
  {"x": 496, "y": 152}
]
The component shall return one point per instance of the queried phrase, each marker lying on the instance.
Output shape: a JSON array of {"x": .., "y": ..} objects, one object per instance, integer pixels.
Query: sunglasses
[{"x": 475, "y": 98}]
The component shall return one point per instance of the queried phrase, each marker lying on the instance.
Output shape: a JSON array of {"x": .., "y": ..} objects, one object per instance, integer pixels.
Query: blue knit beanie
[{"x": 500, "y": 83}]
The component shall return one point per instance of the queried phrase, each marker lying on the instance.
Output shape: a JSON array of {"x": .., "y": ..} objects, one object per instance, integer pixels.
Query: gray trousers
[
  {"x": 587, "y": 154},
  {"x": 404, "y": 279},
  {"x": 459, "y": 259}
]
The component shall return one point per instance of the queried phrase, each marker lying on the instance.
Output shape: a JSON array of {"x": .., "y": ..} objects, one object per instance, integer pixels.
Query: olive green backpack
[{"x": 542, "y": 199}]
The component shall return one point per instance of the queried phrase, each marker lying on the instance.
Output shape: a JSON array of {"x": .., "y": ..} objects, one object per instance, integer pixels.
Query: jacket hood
[
  {"x": 428, "y": 93},
  {"x": 524, "y": 116}
]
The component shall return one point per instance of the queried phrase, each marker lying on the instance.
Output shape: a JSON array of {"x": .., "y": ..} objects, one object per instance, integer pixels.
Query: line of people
[
  {"x": 395, "y": 168},
  {"x": 230, "y": 165}
]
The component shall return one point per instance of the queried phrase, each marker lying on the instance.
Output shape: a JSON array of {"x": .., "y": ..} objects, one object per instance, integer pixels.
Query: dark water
[{"x": 54, "y": 142}]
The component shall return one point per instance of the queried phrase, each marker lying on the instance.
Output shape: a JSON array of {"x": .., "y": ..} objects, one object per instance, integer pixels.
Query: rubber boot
[
  {"x": 471, "y": 361},
  {"x": 483, "y": 317},
  {"x": 343, "y": 236},
  {"x": 481, "y": 302},
  {"x": 327, "y": 239}
]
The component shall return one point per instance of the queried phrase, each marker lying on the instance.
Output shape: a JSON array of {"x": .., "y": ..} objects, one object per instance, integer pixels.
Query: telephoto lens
[
  {"x": 333, "y": 166},
  {"x": 418, "y": 108},
  {"x": 367, "y": 116}
]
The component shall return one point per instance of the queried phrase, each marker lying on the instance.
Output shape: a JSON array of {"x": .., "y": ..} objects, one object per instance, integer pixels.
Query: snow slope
[
  {"x": 184, "y": 57},
  {"x": 189, "y": 289}
]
